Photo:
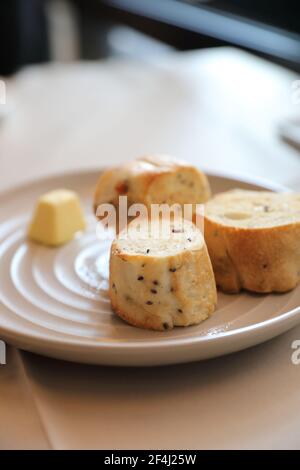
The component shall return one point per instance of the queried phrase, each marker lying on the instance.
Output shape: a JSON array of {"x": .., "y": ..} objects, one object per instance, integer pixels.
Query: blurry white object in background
[
  {"x": 63, "y": 31},
  {"x": 101, "y": 40},
  {"x": 216, "y": 108},
  {"x": 127, "y": 42},
  {"x": 6, "y": 105}
]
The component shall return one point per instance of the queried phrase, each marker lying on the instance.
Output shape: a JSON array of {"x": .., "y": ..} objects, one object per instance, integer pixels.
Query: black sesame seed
[
  {"x": 166, "y": 326},
  {"x": 153, "y": 291},
  {"x": 172, "y": 289},
  {"x": 156, "y": 283},
  {"x": 143, "y": 265},
  {"x": 149, "y": 302},
  {"x": 266, "y": 208},
  {"x": 148, "y": 251},
  {"x": 172, "y": 270},
  {"x": 179, "y": 310},
  {"x": 140, "y": 278},
  {"x": 265, "y": 265},
  {"x": 177, "y": 230},
  {"x": 189, "y": 239}
]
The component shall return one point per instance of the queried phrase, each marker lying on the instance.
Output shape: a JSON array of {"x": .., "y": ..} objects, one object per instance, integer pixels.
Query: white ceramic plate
[{"x": 54, "y": 301}]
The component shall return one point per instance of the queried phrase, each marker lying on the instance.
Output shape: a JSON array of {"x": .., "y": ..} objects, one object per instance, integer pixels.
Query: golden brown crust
[
  {"x": 152, "y": 179},
  {"x": 148, "y": 323},
  {"x": 258, "y": 259}
]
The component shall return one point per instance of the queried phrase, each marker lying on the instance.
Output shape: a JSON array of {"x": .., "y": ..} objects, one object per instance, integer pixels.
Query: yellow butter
[{"x": 57, "y": 217}]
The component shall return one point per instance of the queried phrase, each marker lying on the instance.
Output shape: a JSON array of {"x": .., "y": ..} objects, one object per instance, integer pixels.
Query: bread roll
[
  {"x": 159, "y": 283},
  {"x": 152, "y": 180},
  {"x": 253, "y": 239}
]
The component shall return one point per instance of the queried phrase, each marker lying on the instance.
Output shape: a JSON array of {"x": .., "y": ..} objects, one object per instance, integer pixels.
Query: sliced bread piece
[
  {"x": 150, "y": 180},
  {"x": 159, "y": 283},
  {"x": 253, "y": 238}
]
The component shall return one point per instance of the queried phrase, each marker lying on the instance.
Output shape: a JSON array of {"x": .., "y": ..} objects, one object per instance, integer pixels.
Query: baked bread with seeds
[
  {"x": 162, "y": 282},
  {"x": 253, "y": 238},
  {"x": 153, "y": 179}
]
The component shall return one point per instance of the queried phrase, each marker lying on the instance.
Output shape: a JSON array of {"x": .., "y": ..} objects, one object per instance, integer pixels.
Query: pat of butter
[{"x": 57, "y": 217}]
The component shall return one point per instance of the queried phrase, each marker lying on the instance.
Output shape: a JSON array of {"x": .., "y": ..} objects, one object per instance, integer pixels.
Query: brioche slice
[
  {"x": 159, "y": 283},
  {"x": 253, "y": 238},
  {"x": 152, "y": 180}
]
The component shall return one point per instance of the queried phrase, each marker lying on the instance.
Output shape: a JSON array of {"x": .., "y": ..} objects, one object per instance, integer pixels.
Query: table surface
[{"x": 219, "y": 109}]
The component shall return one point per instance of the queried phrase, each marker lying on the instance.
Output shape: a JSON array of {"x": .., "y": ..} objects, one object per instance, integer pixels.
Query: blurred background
[
  {"x": 96, "y": 82},
  {"x": 33, "y": 31}
]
